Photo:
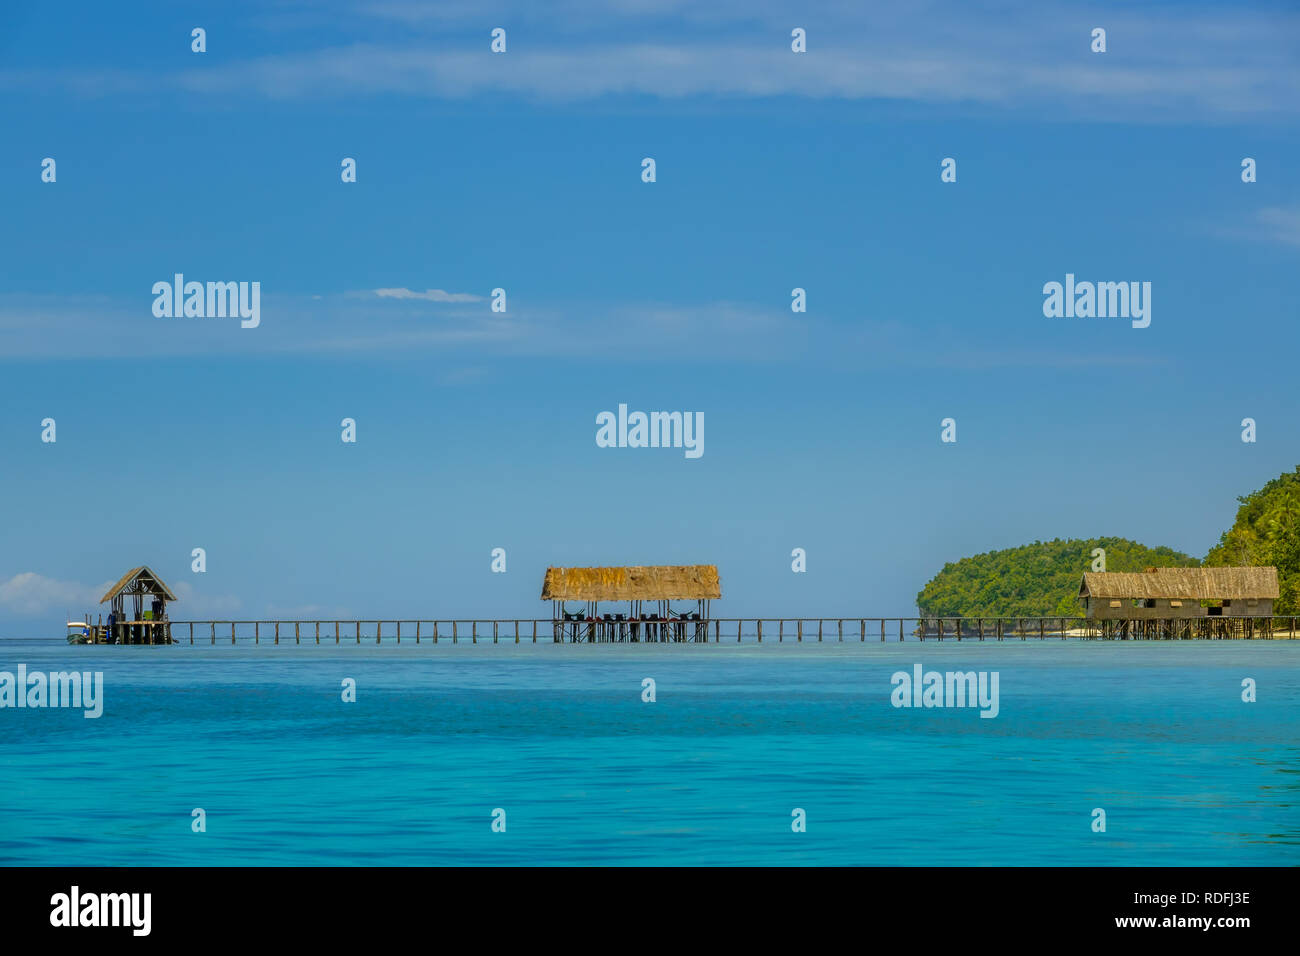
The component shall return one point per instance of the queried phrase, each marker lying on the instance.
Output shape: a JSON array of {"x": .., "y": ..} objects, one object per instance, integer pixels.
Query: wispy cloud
[
  {"x": 1279, "y": 224},
  {"x": 1183, "y": 62},
  {"x": 320, "y": 612},
  {"x": 428, "y": 295},
  {"x": 196, "y": 604},
  {"x": 30, "y": 593},
  {"x": 350, "y": 323},
  {"x": 471, "y": 337}
]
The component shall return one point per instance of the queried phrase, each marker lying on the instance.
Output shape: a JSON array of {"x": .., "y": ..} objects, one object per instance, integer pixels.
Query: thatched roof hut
[
  {"x": 139, "y": 580},
  {"x": 1177, "y": 592},
  {"x": 1195, "y": 584},
  {"x": 138, "y": 625},
  {"x": 690, "y": 582},
  {"x": 661, "y": 585}
]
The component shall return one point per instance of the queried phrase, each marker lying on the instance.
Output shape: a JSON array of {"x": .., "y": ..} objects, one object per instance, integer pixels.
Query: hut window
[
  {"x": 1116, "y": 603},
  {"x": 1175, "y": 603}
]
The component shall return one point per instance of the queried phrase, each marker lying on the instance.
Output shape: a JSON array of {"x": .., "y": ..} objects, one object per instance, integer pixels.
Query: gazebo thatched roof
[
  {"x": 139, "y": 580},
  {"x": 1203, "y": 584},
  {"x": 692, "y": 582}
]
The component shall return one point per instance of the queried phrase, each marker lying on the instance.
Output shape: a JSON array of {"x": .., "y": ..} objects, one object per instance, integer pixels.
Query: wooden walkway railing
[{"x": 729, "y": 629}]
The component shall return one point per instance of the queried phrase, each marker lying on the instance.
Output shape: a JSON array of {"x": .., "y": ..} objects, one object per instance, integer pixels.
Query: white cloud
[
  {"x": 428, "y": 295},
  {"x": 33, "y": 594},
  {"x": 467, "y": 338},
  {"x": 1269, "y": 224},
  {"x": 192, "y": 605},
  {"x": 910, "y": 70},
  {"x": 1175, "y": 64},
  {"x": 1280, "y": 224},
  {"x": 316, "y": 612}
]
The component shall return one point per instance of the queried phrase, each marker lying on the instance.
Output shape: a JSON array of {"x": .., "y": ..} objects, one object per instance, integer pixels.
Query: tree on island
[
  {"x": 1033, "y": 580},
  {"x": 1267, "y": 532},
  {"x": 1042, "y": 579}
]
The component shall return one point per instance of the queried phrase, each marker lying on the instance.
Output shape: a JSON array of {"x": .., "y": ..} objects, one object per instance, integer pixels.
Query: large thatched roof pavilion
[
  {"x": 1178, "y": 592},
  {"x": 139, "y": 625},
  {"x": 662, "y": 584}
]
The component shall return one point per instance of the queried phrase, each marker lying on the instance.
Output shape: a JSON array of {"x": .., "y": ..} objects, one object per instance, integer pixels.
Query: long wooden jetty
[{"x": 718, "y": 630}]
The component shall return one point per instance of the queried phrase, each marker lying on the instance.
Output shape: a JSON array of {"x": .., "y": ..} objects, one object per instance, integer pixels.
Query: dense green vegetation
[
  {"x": 1042, "y": 579},
  {"x": 1267, "y": 531},
  {"x": 1039, "y": 579}
]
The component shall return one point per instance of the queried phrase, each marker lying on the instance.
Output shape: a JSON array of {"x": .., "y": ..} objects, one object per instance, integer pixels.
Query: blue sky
[{"x": 522, "y": 171}]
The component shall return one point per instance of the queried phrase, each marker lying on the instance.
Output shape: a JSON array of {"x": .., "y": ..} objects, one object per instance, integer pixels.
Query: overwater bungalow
[
  {"x": 143, "y": 621},
  {"x": 665, "y": 588},
  {"x": 1169, "y": 593}
]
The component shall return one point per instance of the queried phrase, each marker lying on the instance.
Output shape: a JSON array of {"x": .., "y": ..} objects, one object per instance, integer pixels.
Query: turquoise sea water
[{"x": 1156, "y": 734}]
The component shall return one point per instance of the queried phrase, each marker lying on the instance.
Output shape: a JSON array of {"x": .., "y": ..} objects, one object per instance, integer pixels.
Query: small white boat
[{"x": 79, "y": 632}]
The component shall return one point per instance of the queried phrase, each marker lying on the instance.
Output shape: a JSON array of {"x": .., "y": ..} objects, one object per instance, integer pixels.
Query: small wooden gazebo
[
  {"x": 664, "y": 585},
  {"x": 139, "y": 624}
]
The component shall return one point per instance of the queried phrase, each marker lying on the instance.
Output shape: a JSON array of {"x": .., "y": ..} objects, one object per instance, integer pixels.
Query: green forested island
[
  {"x": 1267, "y": 532},
  {"x": 1042, "y": 579},
  {"x": 1033, "y": 580}
]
